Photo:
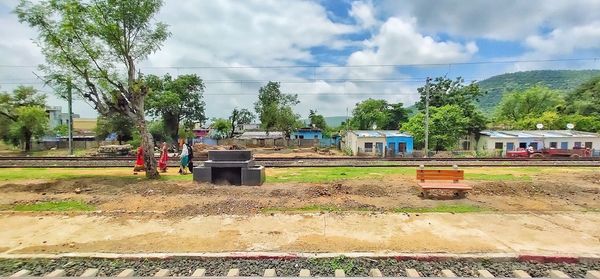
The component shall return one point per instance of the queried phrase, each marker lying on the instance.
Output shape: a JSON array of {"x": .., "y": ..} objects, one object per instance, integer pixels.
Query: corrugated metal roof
[
  {"x": 379, "y": 133},
  {"x": 261, "y": 135},
  {"x": 540, "y": 134}
]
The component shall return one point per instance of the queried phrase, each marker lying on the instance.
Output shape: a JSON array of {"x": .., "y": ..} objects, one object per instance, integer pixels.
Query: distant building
[
  {"x": 538, "y": 139},
  {"x": 248, "y": 127},
  {"x": 261, "y": 135},
  {"x": 56, "y": 117},
  {"x": 378, "y": 142},
  {"x": 307, "y": 133}
]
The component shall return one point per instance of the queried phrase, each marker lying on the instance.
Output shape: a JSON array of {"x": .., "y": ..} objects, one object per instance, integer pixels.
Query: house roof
[
  {"x": 540, "y": 134},
  {"x": 379, "y": 133},
  {"x": 308, "y": 129},
  {"x": 261, "y": 135}
]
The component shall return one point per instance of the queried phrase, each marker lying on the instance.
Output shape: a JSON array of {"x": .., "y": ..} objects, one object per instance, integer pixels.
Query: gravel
[{"x": 353, "y": 267}]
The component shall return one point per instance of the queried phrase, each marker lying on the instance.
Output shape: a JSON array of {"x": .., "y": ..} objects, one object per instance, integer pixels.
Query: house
[
  {"x": 376, "y": 142},
  {"x": 307, "y": 133},
  {"x": 538, "y": 139}
]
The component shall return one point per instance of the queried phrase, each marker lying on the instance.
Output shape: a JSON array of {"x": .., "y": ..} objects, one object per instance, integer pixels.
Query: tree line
[{"x": 94, "y": 47}]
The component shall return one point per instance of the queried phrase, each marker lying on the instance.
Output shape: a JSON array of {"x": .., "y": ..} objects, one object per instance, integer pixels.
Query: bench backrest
[{"x": 454, "y": 175}]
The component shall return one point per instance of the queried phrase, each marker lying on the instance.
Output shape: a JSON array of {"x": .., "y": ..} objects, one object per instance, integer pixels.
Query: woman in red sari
[
  {"x": 164, "y": 157},
  {"x": 139, "y": 163}
]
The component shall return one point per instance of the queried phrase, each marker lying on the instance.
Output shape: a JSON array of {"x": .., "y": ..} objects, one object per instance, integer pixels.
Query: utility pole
[
  {"x": 70, "y": 101},
  {"x": 427, "y": 117}
]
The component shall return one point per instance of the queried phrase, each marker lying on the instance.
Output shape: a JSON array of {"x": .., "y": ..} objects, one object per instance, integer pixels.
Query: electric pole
[
  {"x": 427, "y": 117},
  {"x": 70, "y": 102}
]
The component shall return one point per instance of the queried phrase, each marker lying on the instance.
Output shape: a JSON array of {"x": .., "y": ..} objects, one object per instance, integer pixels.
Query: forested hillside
[{"x": 564, "y": 80}]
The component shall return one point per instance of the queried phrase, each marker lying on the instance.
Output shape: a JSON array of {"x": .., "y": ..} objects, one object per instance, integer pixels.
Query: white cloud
[
  {"x": 563, "y": 41},
  {"x": 364, "y": 14}
]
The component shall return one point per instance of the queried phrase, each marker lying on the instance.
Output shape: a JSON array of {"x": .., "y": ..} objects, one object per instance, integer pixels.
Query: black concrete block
[{"x": 229, "y": 155}]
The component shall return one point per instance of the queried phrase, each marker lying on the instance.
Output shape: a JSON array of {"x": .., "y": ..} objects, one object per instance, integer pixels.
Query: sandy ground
[
  {"x": 564, "y": 233},
  {"x": 554, "y": 210}
]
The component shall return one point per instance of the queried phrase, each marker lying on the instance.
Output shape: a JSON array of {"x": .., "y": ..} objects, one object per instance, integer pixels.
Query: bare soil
[{"x": 562, "y": 190}]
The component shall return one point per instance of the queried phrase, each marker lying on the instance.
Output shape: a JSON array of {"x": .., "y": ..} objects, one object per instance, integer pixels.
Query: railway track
[{"x": 293, "y": 267}]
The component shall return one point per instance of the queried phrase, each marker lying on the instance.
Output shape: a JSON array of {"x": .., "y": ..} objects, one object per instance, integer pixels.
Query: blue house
[
  {"x": 307, "y": 133},
  {"x": 397, "y": 142}
]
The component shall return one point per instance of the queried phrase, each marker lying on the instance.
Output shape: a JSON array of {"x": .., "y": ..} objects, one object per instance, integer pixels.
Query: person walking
[
  {"x": 164, "y": 157},
  {"x": 139, "y": 162},
  {"x": 184, "y": 159},
  {"x": 191, "y": 157}
]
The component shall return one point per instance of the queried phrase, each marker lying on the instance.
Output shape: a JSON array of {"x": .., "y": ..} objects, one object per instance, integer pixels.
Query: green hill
[
  {"x": 332, "y": 121},
  {"x": 564, "y": 80}
]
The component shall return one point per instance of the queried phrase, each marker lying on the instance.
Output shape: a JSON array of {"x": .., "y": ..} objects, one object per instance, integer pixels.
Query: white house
[{"x": 538, "y": 139}]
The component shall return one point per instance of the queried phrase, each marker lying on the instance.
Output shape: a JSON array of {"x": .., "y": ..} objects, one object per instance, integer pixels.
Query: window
[
  {"x": 510, "y": 146},
  {"x": 402, "y": 147},
  {"x": 368, "y": 147},
  {"x": 522, "y": 145},
  {"x": 534, "y": 145},
  {"x": 588, "y": 144},
  {"x": 316, "y": 136},
  {"x": 553, "y": 144},
  {"x": 577, "y": 144},
  {"x": 564, "y": 145},
  {"x": 498, "y": 145},
  {"x": 301, "y": 136}
]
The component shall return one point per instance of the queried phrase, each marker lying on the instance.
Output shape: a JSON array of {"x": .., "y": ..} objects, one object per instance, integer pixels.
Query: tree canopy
[
  {"x": 585, "y": 100},
  {"x": 317, "y": 120},
  {"x": 447, "y": 124},
  {"x": 94, "y": 46},
  {"x": 118, "y": 124},
  {"x": 239, "y": 117},
  {"x": 384, "y": 115},
  {"x": 176, "y": 101},
  {"x": 22, "y": 116},
  {"x": 274, "y": 109},
  {"x": 532, "y": 102}
]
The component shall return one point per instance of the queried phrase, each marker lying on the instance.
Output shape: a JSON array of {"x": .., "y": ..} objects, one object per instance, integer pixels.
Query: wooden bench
[{"x": 451, "y": 176}]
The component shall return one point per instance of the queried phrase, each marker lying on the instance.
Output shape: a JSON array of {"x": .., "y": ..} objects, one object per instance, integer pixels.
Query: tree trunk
[
  {"x": 171, "y": 123},
  {"x": 27, "y": 142},
  {"x": 148, "y": 147}
]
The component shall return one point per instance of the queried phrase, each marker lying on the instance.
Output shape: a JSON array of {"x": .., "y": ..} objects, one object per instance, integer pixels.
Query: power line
[{"x": 351, "y": 66}]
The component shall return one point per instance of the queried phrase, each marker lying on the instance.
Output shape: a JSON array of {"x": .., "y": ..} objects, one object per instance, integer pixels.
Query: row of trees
[{"x": 22, "y": 116}]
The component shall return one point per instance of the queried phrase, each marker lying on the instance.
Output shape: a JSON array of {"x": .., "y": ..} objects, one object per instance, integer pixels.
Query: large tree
[
  {"x": 22, "y": 115},
  {"x": 532, "y": 102},
  {"x": 239, "y": 117},
  {"x": 121, "y": 126},
  {"x": 176, "y": 101},
  {"x": 317, "y": 120},
  {"x": 372, "y": 112},
  {"x": 446, "y": 125},
  {"x": 444, "y": 91},
  {"x": 274, "y": 109},
  {"x": 220, "y": 128},
  {"x": 94, "y": 46}
]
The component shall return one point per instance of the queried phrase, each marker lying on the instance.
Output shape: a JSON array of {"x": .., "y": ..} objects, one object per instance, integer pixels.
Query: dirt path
[{"x": 564, "y": 233}]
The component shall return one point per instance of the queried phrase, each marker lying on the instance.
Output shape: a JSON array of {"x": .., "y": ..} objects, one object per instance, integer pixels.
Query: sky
[{"x": 334, "y": 54}]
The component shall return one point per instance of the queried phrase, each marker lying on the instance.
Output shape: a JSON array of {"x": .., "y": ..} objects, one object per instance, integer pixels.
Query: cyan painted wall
[
  {"x": 396, "y": 140},
  {"x": 307, "y": 135}
]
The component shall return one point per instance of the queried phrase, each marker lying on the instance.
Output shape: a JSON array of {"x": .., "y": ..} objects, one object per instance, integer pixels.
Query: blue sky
[{"x": 342, "y": 42}]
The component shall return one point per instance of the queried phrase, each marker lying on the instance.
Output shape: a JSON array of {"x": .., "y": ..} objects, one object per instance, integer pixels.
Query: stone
[
  {"x": 340, "y": 273},
  {"x": 234, "y": 272},
  {"x": 270, "y": 273}
]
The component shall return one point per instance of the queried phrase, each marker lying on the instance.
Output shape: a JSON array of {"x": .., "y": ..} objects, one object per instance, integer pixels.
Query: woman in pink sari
[{"x": 164, "y": 157}]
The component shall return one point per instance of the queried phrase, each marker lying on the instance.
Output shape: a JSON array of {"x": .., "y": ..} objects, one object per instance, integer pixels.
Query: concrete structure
[
  {"x": 559, "y": 139},
  {"x": 376, "y": 142},
  {"x": 307, "y": 133},
  {"x": 261, "y": 135},
  {"x": 232, "y": 167}
]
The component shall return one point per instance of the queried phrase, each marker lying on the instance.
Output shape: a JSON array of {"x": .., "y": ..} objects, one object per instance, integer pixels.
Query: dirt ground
[
  {"x": 523, "y": 209},
  {"x": 549, "y": 189}
]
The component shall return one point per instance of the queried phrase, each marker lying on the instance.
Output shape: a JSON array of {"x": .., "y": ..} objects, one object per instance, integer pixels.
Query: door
[
  {"x": 402, "y": 147},
  {"x": 392, "y": 148},
  {"x": 564, "y": 145},
  {"x": 379, "y": 147}
]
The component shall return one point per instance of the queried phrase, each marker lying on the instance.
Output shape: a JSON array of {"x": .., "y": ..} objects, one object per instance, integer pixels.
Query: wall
[
  {"x": 360, "y": 145},
  {"x": 396, "y": 140},
  {"x": 307, "y": 134}
]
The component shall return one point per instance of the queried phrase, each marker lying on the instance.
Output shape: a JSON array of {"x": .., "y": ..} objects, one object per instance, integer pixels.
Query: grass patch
[
  {"x": 329, "y": 174},
  {"x": 496, "y": 177},
  {"x": 444, "y": 208},
  {"x": 68, "y": 205},
  {"x": 26, "y": 174}
]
